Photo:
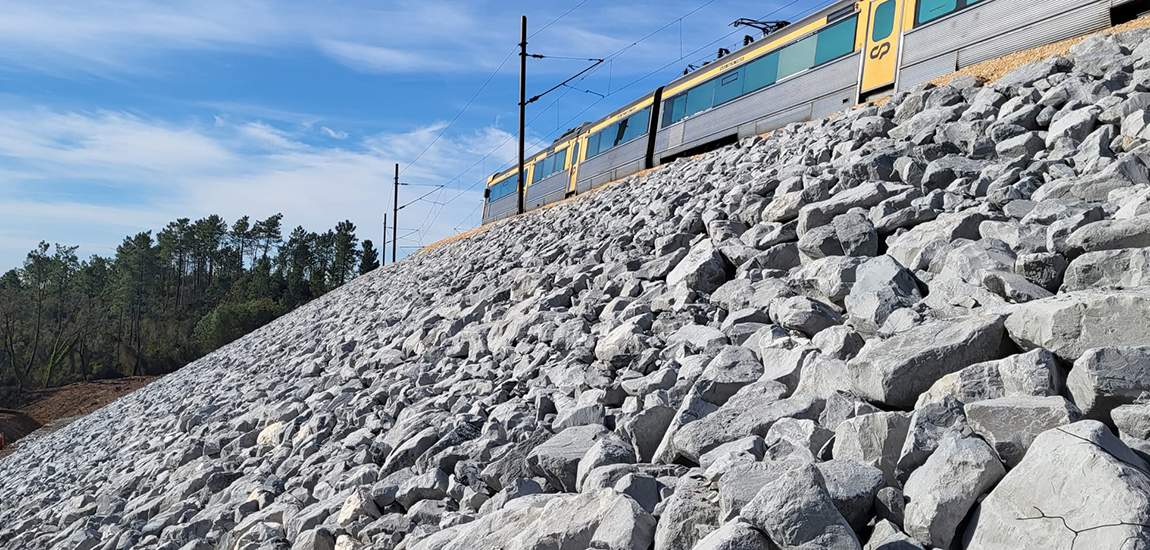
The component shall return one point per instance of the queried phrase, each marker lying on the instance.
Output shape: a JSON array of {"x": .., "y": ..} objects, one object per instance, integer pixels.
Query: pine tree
[
  {"x": 346, "y": 253},
  {"x": 164, "y": 299},
  {"x": 240, "y": 237},
  {"x": 368, "y": 258}
]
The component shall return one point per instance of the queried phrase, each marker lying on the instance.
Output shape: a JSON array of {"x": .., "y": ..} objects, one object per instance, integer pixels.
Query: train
[{"x": 847, "y": 53}]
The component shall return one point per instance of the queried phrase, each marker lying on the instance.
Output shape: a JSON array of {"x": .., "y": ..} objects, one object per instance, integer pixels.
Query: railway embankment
[{"x": 921, "y": 324}]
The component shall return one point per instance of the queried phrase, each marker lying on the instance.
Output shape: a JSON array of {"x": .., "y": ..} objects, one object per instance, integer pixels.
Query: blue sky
[{"x": 117, "y": 117}]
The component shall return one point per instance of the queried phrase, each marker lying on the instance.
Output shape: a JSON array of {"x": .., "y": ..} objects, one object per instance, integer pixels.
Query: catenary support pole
[
  {"x": 395, "y": 216},
  {"x": 522, "y": 104},
  {"x": 383, "y": 247}
]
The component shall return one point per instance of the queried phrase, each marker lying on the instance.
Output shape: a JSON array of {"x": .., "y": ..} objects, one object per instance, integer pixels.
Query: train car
[
  {"x": 807, "y": 70},
  {"x": 619, "y": 144},
  {"x": 550, "y": 176},
  {"x": 501, "y": 199},
  {"x": 830, "y": 60}
]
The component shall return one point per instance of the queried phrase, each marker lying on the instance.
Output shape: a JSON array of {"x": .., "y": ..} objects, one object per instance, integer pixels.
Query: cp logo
[{"x": 880, "y": 51}]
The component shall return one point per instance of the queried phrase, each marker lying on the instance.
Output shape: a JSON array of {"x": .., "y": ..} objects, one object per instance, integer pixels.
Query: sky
[{"x": 120, "y": 116}]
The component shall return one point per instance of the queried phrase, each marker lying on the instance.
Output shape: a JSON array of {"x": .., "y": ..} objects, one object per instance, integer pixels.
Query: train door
[
  {"x": 574, "y": 171},
  {"x": 883, "y": 32}
]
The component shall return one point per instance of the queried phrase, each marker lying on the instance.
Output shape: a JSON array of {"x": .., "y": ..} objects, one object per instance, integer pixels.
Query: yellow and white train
[{"x": 826, "y": 62}]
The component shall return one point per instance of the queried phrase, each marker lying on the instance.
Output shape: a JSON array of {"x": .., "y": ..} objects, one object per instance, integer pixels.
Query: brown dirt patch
[
  {"x": 16, "y": 425},
  {"x": 80, "y": 398},
  {"x": 52, "y": 409}
]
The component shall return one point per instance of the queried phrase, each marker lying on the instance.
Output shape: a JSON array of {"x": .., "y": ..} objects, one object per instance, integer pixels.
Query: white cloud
[
  {"x": 130, "y": 173},
  {"x": 99, "y": 144},
  {"x": 334, "y": 134},
  {"x": 377, "y": 59},
  {"x": 109, "y": 37},
  {"x": 269, "y": 137}
]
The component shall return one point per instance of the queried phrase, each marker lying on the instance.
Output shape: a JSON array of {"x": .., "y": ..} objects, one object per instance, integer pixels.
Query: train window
[
  {"x": 538, "y": 173},
  {"x": 592, "y": 146},
  {"x": 560, "y": 161},
  {"x": 797, "y": 57},
  {"x": 502, "y": 188},
  {"x": 674, "y": 109},
  {"x": 700, "y": 98},
  {"x": 883, "y": 21},
  {"x": 637, "y": 125},
  {"x": 610, "y": 134},
  {"x": 621, "y": 132},
  {"x": 575, "y": 154},
  {"x": 761, "y": 72},
  {"x": 546, "y": 168},
  {"x": 836, "y": 41},
  {"x": 730, "y": 86},
  {"x": 929, "y": 10}
]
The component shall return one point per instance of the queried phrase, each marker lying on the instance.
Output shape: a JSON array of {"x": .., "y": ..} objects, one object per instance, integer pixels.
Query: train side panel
[
  {"x": 816, "y": 93},
  {"x": 812, "y": 76},
  {"x": 598, "y": 168},
  {"x": 940, "y": 43}
]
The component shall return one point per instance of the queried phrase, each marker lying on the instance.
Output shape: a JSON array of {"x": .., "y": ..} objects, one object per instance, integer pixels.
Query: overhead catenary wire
[
  {"x": 556, "y": 20},
  {"x": 609, "y": 61},
  {"x": 708, "y": 45},
  {"x": 482, "y": 88},
  {"x": 459, "y": 114}
]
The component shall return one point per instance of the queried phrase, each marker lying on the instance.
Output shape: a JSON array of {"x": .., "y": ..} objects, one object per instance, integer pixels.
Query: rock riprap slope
[{"x": 924, "y": 324}]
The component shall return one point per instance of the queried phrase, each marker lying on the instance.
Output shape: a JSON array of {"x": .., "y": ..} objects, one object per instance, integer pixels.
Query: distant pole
[
  {"x": 395, "y": 216},
  {"x": 522, "y": 103},
  {"x": 383, "y": 249}
]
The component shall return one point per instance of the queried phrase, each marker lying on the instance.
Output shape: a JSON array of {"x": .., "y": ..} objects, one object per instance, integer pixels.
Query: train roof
[{"x": 713, "y": 69}]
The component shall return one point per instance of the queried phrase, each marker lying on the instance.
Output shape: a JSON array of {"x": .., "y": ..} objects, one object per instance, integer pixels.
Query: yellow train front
[{"x": 827, "y": 62}]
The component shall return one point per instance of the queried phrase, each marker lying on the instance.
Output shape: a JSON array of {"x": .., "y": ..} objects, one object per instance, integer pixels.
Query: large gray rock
[
  {"x": 735, "y": 535},
  {"x": 943, "y": 490},
  {"x": 856, "y": 234},
  {"x": 887, "y": 536},
  {"x": 795, "y": 511},
  {"x": 914, "y": 249},
  {"x": 897, "y": 370},
  {"x": 1123, "y": 268},
  {"x": 1071, "y": 323},
  {"x": 793, "y": 437},
  {"x": 805, "y": 315},
  {"x": 1104, "y": 379},
  {"x": 609, "y": 449},
  {"x": 1010, "y": 424},
  {"x": 624, "y": 342},
  {"x": 881, "y": 287},
  {"x": 600, "y": 519},
  {"x": 1034, "y": 373},
  {"x": 929, "y": 425},
  {"x": 741, "y": 483},
  {"x": 731, "y": 369},
  {"x": 557, "y": 460},
  {"x": 1132, "y": 420},
  {"x": 431, "y": 485},
  {"x": 1075, "y": 125},
  {"x": 752, "y": 412},
  {"x": 703, "y": 268},
  {"x": 688, "y": 516},
  {"x": 1109, "y": 235},
  {"x": 874, "y": 440},
  {"x": 852, "y": 487},
  {"x": 1079, "y": 476}
]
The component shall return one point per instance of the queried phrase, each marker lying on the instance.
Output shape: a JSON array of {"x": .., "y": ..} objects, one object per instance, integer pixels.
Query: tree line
[{"x": 162, "y": 300}]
